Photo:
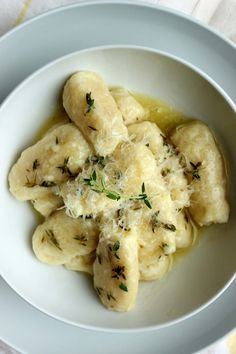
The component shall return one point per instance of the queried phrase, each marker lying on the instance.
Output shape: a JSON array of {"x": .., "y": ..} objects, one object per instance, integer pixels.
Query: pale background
[{"x": 219, "y": 14}]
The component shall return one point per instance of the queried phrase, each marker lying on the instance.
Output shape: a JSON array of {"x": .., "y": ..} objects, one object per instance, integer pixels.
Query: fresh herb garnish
[
  {"x": 48, "y": 184},
  {"x": 122, "y": 225},
  {"x": 195, "y": 170},
  {"x": 52, "y": 239},
  {"x": 92, "y": 128},
  {"x": 82, "y": 239},
  {"x": 99, "y": 290},
  {"x": 90, "y": 102},
  {"x": 163, "y": 246},
  {"x": 36, "y": 164},
  {"x": 119, "y": 271},
  {"x": 123, "y": 287},
  {"x": 170, "y": 227},
  {"x": 165, "y": 172},
  {"x": 65, "y": 169},
  {"x": 110, "y": 296},
  {"x": 156, "y": 223},
  {"x": 32, "y": 183},
  {"x": 116, "y": 246},
  {"x": 89, "y": 216},
  {"x": 96, "y": 159},
  {"x": 113, "y": 249},
  {"x": 169, "y": 147},
  {"x": 101, "y": 188}
]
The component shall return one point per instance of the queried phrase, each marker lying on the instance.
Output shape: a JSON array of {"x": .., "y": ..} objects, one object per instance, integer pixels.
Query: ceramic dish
[
  {"x": 49, "y": 288},
  {"x": 219, "y": 317}
]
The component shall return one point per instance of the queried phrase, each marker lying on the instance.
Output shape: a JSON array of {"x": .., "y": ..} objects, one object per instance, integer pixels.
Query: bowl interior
[{"x": 198, "y": 277}]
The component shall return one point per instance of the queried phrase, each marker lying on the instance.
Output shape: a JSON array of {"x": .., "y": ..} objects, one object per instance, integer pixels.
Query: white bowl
[{"x": 200, "y": 277}]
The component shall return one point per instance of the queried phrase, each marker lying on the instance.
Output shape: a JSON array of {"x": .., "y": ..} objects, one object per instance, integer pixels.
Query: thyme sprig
[{"x": 102, "y": 188}]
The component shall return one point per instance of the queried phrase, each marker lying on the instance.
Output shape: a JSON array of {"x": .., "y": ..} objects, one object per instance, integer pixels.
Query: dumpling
[
  {"x": 54, "y": 159},
  {"x": 60, "y": 238},
  {"x": 90, "y": 105},
  {"x": 82, "y": 263},
  {"x": 116, "y": 269},
  {"x": 167, "y": 160},
  {"x": 132, "y": 111},
  {"x": 46, "y": 205},
  {"x": 124, "y": 172},
  {"x": 205, "y": 170}
]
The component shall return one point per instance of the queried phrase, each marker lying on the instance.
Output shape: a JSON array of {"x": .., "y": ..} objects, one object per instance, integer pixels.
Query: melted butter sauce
[
  {"x": 160, "y": 113},
  {"x": 58, "y": 117}
]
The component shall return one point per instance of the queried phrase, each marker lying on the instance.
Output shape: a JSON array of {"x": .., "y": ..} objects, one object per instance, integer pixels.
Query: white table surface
[{"x": 219, "y": 14}]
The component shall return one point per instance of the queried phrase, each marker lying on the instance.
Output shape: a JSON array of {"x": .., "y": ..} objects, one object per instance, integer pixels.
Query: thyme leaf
[
  {"x": 92, "y": 128},
  {"x": 143, "y": 188},
  {"x": 116, "y": 246},
  {"x": 163, "y": 246},
  {"x": 119, "y": 271},
  {"x": 90, "y": 102},
  {"x": 32, "y": 183},
  {"x": 110, "y": 296},
  {"x": 123, "y": 287},
  {"x": 170, "y": 227},
  {"x": 65, "y": 169},
  {"x": 113, "y": 195},
  {"x": 155, "y": 223},
  {"x": 195, "y": 170},
  {"x": 52, "y": 239},
  {"x": 96, "y": 159},
  {"x": 165, "y": 172},
  {"x": 148, "y": 204},
  {"x": 99, "y": 290},
  {"x": 48, "y": 184},
  {"x": 36, "y": 164},
  {"x": 82, "y": 239}
]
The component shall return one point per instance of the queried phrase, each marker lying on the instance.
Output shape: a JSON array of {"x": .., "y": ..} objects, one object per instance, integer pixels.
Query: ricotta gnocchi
[{"x": 119, "y": 195}]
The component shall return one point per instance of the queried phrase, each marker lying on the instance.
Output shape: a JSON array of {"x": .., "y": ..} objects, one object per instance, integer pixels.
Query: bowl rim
[
  {"x": 204, "y": 76},
  {"x": 139, "y": 3}
]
